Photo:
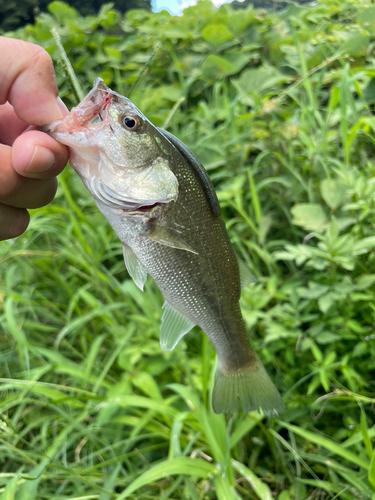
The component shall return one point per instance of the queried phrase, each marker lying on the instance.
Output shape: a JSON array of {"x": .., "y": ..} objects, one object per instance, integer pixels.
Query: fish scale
[{"x": 161, "y": 203}]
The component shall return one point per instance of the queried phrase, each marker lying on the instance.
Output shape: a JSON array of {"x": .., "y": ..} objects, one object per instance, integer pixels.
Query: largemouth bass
[{"x": 161, "y": 203}]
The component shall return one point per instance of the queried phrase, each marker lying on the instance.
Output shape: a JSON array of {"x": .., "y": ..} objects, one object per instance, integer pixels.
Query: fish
[{"x": 162, "y": 205}]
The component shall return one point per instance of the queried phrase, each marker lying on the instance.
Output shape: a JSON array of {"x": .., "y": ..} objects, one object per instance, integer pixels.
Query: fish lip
[
  {"x": 93, "y": 104},
  {"x": 81, "y": 116}
]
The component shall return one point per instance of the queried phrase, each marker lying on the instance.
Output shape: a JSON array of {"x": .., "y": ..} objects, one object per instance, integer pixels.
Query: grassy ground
[{"x": 280, "y": 110}]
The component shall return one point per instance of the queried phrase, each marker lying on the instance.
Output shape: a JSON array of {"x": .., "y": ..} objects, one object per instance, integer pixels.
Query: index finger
[{"x": 27, "y": 81}]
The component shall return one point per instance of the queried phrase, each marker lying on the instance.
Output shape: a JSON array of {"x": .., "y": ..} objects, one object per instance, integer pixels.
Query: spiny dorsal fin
[
  {"x": 134, "y": 267},
  {"x": 173, "y": 327},
  {"x": 198, "y": 168}
]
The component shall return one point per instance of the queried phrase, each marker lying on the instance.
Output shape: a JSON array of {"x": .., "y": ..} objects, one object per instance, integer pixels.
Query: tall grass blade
[
  {"x": 328, "y": 444},
  {"x": 192, "y": 467},
  {"x": 261, "y": 489},
  {"x": 69, "y": 68}
]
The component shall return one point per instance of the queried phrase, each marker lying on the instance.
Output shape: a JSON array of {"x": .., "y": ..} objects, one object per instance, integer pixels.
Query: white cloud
[
  {"x": 217, "y": 3},
  {"x": 187, "y": 3},
  {"x": 177, "y": 6}
]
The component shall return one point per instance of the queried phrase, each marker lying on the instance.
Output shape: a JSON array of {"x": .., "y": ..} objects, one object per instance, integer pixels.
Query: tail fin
[{"x": 246, "y": 390}]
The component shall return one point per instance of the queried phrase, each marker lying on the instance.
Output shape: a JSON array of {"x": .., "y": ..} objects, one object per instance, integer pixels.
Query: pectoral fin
[
  {"x": 246, "y": 276},
  {"x": 169, "y": 238},
  {"x": 173, "y": 327},
  {"x": 134, "y": 267}
]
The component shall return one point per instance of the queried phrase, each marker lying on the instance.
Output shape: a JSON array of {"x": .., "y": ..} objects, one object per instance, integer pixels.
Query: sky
[{"x": 176, "y": 6}]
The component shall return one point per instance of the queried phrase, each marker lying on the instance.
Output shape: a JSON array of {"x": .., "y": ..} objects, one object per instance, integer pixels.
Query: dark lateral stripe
[{"x": 198, "y": 168}]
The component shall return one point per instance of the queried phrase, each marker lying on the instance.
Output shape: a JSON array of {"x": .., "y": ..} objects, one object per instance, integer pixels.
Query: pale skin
[{"x": 30, "y": 160}]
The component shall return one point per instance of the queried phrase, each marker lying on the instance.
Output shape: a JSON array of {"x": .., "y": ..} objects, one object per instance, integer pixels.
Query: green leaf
[
  {"x": 146, "y": 383},
  {"x": 239, "y": 20},
  {"x": 260, "y": 79},
  {"x": 217, "y": 67},
  {"x": 325, "y": 302},
  {"x": 210, "y": 423},
  {"x": 327, "y": 338},
  {"x": 366, "y": 16},
  {"x": 371, "y": 471},
  {"x": 355, "y": 46},
  {"x": 9, "y": 492},
  {"x": 216, "y": 34},
  {"x": 310, "y": 216},
  {"x": 261, "y": 489},
  {"x": 52, "y": 394},
  {"x": 369, "y": 92},
  {"x": 113, "y": 53},
  {"x": 62, "y": 11},
  {"x": 174, "y": 444},
  {"x": 333, "y": 192},
  {"x": 361, "y": 486},
  {"x": 131, "y": 401},
  {"x": 244, "y": 427},
  {"x": 363, "y": 246},
  {"x": 360, "y": 349},
  {"x": 327, "y": 443},
  {"x": 224, "y": 491},
  {"x": 193, "y": 467},
  {"x": 365, "y": 282},
  {"x": 176, "y": 33}
]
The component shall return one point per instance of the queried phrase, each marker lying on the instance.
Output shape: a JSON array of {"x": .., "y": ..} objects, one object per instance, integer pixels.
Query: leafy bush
[
  {"x": 279, "y": 108},
  {"x": 266, "y": 4},
  {"x": 14, "y": 14}
]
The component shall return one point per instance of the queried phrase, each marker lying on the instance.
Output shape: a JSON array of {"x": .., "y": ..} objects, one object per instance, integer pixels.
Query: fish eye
[{"x": 131, "y": 122}]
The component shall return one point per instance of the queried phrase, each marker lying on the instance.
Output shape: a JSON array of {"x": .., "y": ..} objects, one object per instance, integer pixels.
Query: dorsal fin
[{"x": 198, "y": 168}]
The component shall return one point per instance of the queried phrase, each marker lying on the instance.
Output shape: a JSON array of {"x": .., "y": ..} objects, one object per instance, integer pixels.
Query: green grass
[{"x": 280, "y": 110}]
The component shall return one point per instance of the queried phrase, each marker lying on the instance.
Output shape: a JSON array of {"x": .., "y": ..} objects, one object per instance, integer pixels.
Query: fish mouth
[{"x": 91, "y": 111}]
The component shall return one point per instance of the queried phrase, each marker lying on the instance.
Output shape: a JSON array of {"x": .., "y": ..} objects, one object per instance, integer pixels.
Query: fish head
[{"x": 117, "y": 152}]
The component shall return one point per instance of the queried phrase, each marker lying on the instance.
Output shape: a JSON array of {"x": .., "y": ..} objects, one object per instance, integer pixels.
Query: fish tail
[{"x": 246, "y": 389}]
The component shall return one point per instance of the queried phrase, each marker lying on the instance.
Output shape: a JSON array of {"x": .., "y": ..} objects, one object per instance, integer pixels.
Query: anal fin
[
  {"x": 173, "y": 327},
  {"x": 134, "y": 267}
]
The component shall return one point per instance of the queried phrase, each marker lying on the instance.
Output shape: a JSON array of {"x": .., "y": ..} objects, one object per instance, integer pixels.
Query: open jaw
[
  {"x": 88, "y": 111},
  {"x": 91, "y": 111}
]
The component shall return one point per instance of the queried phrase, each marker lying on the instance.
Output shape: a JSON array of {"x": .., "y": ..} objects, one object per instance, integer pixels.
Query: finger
[
  {"x": 36, "y": 155},
  {"x": 10, "y": 125},
  {"x": 13, "y": 221},
  {"x": 28, "y": 82},
  {"x": 21, "y": 192}
]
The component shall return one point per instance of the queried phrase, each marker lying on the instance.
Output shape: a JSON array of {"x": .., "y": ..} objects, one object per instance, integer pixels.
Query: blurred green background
[
  {"x": 279, "y": 108},
  {"x": 14, "y": 14}
]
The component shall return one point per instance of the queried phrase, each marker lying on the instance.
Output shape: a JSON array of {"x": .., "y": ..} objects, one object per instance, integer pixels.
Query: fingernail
[
  {"x": 42, "y": 160},
  {"x": 64, "y": 110}
]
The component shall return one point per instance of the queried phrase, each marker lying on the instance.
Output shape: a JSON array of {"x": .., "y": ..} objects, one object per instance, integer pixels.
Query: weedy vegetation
[{"x": 279, "y": 108}]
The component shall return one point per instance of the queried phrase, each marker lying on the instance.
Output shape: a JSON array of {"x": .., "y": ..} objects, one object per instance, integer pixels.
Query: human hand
[{"x": 30, "y": 160}]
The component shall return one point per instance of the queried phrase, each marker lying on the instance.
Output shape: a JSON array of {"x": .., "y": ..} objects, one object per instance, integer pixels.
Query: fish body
[{"x": 161, "y": 204}]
